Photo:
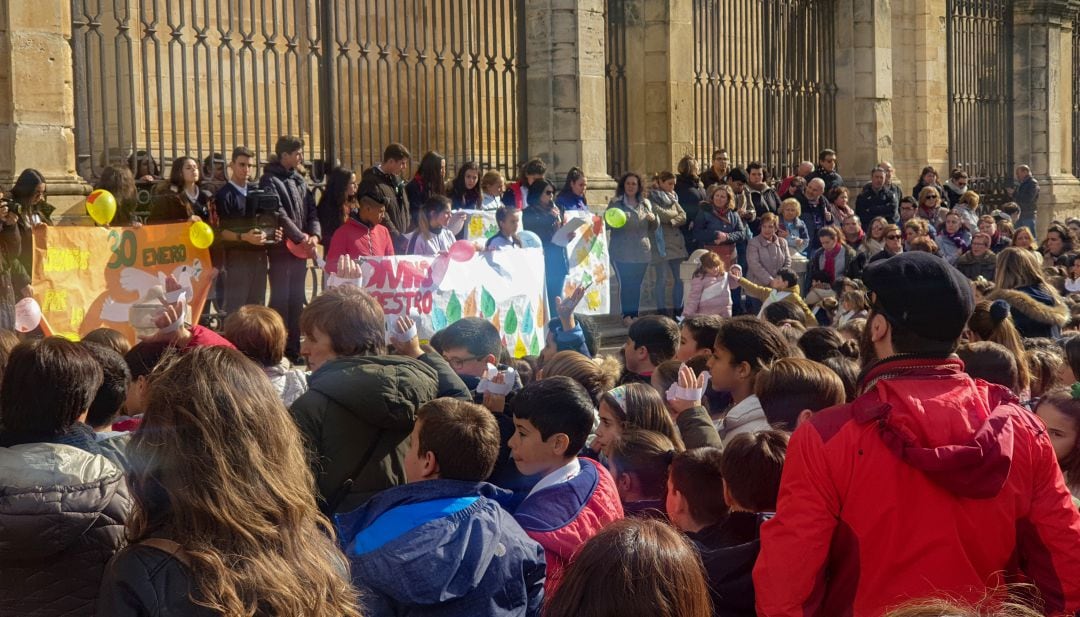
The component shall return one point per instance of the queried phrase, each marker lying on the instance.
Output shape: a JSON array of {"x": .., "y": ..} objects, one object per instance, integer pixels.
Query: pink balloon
[
  {"x": 27, "y": 315},
  {"x": 462, "y": 250}
]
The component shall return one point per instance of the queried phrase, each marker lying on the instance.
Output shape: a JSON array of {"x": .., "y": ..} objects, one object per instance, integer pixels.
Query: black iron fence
[
  {"x": 979, "y": 43},
  {"x": 1076, "y": 96},
  {"x": 166, "y": 78},
  {"x": 764, "y": 80}
]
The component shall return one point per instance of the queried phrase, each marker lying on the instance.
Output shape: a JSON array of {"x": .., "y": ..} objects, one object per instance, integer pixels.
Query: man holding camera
[
  {"x": 300, "y": 223},
  {"x": 243, "y": 279}
]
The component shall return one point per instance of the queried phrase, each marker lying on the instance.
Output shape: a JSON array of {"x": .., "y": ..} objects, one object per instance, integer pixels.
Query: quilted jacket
[{"x": 62, "y": 513}]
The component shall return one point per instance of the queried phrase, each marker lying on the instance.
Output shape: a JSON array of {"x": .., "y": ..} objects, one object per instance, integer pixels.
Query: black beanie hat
[{"x": 922, "y": 292}]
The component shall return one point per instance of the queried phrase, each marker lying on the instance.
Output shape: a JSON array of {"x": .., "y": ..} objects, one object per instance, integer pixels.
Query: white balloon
[{"x": 27, "y": 315}]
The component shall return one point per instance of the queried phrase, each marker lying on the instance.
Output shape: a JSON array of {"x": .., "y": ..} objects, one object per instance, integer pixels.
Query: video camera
[{"x": 265, "y": 208}]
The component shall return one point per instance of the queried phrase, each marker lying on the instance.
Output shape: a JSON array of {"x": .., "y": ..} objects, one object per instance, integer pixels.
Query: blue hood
[{"x": 437, "y": 542}]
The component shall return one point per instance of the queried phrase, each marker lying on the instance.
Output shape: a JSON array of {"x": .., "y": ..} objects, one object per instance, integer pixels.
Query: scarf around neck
[{"x": 830, "y": 261}]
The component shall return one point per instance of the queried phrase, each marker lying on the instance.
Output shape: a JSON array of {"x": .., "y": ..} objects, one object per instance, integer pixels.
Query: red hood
[{"x": 956, "y": 430}]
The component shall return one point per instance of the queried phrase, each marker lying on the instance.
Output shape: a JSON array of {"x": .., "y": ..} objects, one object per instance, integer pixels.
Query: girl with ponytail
[
  {"x": 1060, "y": 412},
  {"x": 639, "y": 465},
  {"x": 993, "y": 322}
]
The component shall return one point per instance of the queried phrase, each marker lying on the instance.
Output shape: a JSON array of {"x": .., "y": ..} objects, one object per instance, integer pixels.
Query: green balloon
[{"x": 615, "y": 218}]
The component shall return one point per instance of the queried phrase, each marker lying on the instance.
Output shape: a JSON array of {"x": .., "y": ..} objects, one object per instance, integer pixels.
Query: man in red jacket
[{"x": 928, "y": 483}]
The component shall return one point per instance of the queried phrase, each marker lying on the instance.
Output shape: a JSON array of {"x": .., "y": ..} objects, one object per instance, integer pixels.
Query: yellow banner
[{"x": 89, "y": 277}]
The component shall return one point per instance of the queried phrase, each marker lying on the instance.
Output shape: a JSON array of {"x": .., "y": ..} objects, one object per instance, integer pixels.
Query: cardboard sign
[{"x": 89, "y": 277}]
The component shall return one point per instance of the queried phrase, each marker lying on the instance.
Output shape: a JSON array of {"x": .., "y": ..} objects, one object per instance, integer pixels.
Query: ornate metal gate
[
  {"x": 176, "y": 77},
  {"x": 1076, "y": 96},
  {"x": 979, "y": 43},
  {"x": 764, "y": 79}
]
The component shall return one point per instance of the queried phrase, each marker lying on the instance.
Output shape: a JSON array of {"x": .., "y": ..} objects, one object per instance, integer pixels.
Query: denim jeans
[
  {"x": 660, "y": 292},
  {"x": 631, "y": 276}
]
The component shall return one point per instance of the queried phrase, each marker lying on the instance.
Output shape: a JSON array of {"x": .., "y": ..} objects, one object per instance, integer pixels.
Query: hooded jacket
[
  {"x": 62, "y": 512},
  {"x": 442, "y": 547},
  {"x": 1037, "y": 311},
  {"x": 361, "y": 409},
  {"x": 928, "y": 483},
  {"x": 564, "y": 516},
  {"x": 392, "y": 189},
  {"x": 299, "y": 216}
]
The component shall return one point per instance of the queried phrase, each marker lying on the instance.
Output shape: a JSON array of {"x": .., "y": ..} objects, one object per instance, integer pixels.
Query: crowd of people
[{"x": 858, "y": 410}]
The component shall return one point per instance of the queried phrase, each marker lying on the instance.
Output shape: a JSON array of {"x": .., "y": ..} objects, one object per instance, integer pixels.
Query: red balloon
[
  {"x": 302, "y": 251},
  {"x": 462, "y": 250}
]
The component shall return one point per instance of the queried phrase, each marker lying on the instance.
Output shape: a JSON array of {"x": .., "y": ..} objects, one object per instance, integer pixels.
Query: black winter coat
[
  {"x": 871, "y": 204},
  {"x": 392, "y": 189},
  {"x": 298, "y": 213},
  {"x": 143, "y": 581}
]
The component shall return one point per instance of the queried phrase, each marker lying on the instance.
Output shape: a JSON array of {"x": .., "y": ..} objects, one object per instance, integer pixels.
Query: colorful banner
[
  {"x": 480, "y": 225},
  {"x": 89, "y": 277},
  {"x": 589, "y": 265},
  {"x": 504, "y": 287}
]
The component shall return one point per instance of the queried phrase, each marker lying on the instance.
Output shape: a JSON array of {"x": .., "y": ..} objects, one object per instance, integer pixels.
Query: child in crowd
[
  {"x": 639, "y": 464},
  {"x": 108, "y": 401},
  {"x": 632, "y": 406},
  {"x": 710, "y": 288},
  {"x": 992, "y": 321},
  {"x": 1059, "y": 410},
  {"x": 566, "y": 332},
  {"x": 696, "y": 336},
  {"x": 447, "y": 504},
  {"x": 597, "y": 375},
  {"x": 784, "y": 287},
  {"x": 744, "y": 347},
  {"x": 509, "y": 221},
  {"x": 650, "y": 341},
  {"x": 853, "y": 305},
  {"x": 991, "y": 362},
  {"x": 793, "y": 389},
  {"x": 633, "y": 568},
  {"x": 728, "y": 542},
  {"x": 470, "y": 345},
  {"x": 575, "y": 497}
]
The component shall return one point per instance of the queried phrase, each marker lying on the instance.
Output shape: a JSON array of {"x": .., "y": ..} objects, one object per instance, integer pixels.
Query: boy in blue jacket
[{"x": 442, "y": 544}]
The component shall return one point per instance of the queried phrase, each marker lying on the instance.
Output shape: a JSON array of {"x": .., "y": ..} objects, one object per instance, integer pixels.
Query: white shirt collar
[{"x": 563, "y": 474}]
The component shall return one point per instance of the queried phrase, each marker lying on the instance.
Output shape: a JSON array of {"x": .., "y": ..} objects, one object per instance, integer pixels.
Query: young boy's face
[
  {"x": 723, "y": 370},
  {"x": 532, "y": 453},
  {"x": 688, "y": 347},
  {"x": 465, "y": 363}
]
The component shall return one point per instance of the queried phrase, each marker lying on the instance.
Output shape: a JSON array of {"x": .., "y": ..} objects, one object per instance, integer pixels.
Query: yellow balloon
[
  {"x": 101, "y": 206},
  {"x": 201, "y": 235}
]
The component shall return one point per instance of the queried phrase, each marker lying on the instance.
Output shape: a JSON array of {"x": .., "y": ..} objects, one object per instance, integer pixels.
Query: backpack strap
[{"x": 173, "y": 549}]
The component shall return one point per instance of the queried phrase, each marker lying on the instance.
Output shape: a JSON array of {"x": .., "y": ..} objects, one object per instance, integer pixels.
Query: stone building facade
[{"x": 607, "y": 85}]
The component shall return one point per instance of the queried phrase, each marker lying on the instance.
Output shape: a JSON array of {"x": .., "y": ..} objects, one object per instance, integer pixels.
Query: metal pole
[{"x": 328, "y": 85}]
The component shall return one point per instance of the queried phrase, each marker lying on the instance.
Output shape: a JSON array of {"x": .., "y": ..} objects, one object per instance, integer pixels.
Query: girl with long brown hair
[
  {"x": 224, "y": 520},
  {"x": 633, "y": 568},
  {"x": 991, "y": 322}
]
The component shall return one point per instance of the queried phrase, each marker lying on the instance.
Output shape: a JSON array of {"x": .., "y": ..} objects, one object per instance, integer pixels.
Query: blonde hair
[
  {"x": 490, "y": 179},
  {"x": 791, "y": 202},
  {"x": 709, "y": 261},
  {"x": 1016, "y": 268},
  {"x": 220, "y": 467},
  {"x": 769, "y": 217},
  {"x": 928, "y": 190},
  {"x": 970, "y": 199}
]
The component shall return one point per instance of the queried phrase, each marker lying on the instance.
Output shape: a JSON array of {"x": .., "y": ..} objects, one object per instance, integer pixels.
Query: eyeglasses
[
  {"x": 457, "y": 363},
  {"x": 931, "y": 198},
  {"x": 893, "y": 237}
]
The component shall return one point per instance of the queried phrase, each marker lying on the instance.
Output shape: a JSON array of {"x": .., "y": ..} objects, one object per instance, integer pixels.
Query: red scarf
[{"x": 830, "y": 261}]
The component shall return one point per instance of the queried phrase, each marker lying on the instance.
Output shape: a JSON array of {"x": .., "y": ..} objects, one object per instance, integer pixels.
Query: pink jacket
[{"x": 709, "y": 295}]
